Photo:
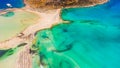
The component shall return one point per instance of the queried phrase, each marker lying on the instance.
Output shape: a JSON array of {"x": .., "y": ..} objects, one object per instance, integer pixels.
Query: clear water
[{"x": 90, "y": 40}]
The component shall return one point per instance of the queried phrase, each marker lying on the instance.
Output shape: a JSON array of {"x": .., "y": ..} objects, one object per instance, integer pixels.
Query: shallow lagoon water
[
  {"x": 90, "y": 40},
  {"x": 12, "y": 23}
]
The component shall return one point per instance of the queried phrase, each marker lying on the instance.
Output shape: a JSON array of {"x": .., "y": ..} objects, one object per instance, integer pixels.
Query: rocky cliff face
[{"x": 60, "y": 3}]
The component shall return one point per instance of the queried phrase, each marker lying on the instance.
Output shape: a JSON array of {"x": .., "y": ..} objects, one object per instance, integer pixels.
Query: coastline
[
  {"x": 51, "y": 4},
  {"x": 28, "y": 33},
  {"x": 23, "y": 57},
  {"x": 105, "y": 1},
  {"x": 47, "y": 20}
]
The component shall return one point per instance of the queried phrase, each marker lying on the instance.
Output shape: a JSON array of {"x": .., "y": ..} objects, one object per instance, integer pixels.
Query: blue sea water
[
  {"x": 14, "y": 3},
  {"x": 107, "y": 14},
  {"x": 90, "y": 40}
]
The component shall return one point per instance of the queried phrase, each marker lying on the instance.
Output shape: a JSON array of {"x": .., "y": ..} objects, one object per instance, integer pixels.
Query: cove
[{"x": 91, "y": 39}]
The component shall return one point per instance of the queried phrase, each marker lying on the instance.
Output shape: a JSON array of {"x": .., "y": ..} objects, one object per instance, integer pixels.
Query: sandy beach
[
  {"x": 23, "y": 57},
  {"x": 47, "y": 20}
]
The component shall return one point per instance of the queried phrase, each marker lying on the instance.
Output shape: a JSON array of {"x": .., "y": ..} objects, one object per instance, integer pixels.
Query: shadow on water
[
  {"x": 2, "y": 52},
  {"x": 6, "y": 53}
]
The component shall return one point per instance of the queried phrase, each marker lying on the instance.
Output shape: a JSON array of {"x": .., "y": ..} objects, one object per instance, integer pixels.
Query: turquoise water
[
  {"x": 8, "y": 14},
  {"x": 106, "y": 14},
  {"x": 90, "y": 40}
]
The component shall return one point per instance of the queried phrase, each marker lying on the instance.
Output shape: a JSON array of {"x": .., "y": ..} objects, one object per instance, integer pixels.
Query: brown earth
[{"x": 53, "y": 4}]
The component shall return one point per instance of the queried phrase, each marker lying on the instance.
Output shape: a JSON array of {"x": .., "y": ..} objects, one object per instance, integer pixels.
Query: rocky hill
[{"x": 60, "y": 3}]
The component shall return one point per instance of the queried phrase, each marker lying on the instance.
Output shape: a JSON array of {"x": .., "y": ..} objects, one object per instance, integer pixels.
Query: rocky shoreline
[{"x": 55, "y": 4}]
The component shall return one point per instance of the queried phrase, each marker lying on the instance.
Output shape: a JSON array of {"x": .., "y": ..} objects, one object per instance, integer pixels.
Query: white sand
[
  {"x": 23, "y": 59},
  {"x": 47, "y": 20}
]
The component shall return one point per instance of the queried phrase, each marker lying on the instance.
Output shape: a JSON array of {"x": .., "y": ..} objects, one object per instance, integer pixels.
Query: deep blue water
[{"x": 14, "y": 3}]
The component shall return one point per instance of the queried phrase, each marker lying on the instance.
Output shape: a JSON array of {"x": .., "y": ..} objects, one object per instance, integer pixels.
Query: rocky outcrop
[{"x": 60, "y": 3}]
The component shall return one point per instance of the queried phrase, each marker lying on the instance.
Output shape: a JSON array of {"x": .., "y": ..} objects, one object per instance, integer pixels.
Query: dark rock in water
[
  {"x": 32, "y": 51},
  {"x": 22, "y": 44}
]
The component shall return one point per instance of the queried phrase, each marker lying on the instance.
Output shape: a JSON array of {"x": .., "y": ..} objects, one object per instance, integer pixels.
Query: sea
[
  {"x": 91, "y": 39},
  {"x": 4, "y": 4}
]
